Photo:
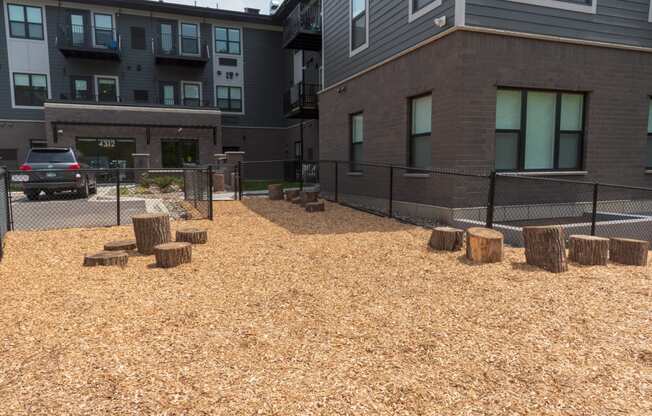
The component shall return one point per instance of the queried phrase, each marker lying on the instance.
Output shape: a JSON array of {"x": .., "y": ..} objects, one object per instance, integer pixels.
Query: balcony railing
[
  {"x": 303, "y": 27},
  {"x": 300, "y": 101},
  {"x": 153, "y": 101},
  {"x": 79, "y": 41},
  {"x": 181, "y": 50}
]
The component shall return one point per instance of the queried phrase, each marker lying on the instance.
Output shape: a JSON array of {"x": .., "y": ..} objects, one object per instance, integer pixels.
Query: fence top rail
[
  {"x": 112, "y": 170},
  {"x": 572, "y": 182},
  {"x": 410, "y": 168}
]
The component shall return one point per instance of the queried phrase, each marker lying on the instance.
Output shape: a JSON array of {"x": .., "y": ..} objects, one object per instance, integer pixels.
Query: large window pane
[
  {"x": 421, "y": 152},
  {"x": 507, "y": 150},
  {"x": 649, "y": 153},
  {"x": 359, "y": 32},
  {"x": 34, "y": 15},
  {"x": 420, "y": 4},
  {"x": 540, "y": 130},
  {"x": 649, "y": 118},
  {"x": 508, "y": 110},
  {"x": 572, "y": 112},
  {"x": 422, "y": 115},
  {"x": 16, "y": 13},
  {"x": 569, "y": 150},
  {"x": 21, "y": 80},
  {"x": 103, "y": 21},
  {"x": 357, "y": 129},
  {"x": 357, "y": 7}
]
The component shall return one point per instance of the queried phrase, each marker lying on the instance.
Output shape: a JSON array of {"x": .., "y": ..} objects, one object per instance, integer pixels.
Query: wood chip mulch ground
[{"x": 340, "y": 313}]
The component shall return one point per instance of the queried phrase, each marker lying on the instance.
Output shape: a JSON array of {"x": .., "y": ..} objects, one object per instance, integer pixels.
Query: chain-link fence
[
  {"x": 4, "y": 208},
  {"x": 78, "y": 198}
]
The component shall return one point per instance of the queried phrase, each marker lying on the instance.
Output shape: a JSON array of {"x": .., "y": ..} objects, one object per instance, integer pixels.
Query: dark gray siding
[
  {"x": 616, "y": 21},
  {"x": 389, "y": 33}
]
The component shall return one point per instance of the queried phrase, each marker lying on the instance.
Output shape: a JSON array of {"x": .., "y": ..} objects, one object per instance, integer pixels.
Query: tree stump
[
  {"x": 151, "y": 230},
  {"x": 107, "y": 258},
  {"x": 629, "y": 252},
  {"x": 447, "y": 239},
  {"x": 588, "y": 250},
  {"x": 308, "y": 197},
  {"x": 291, "y": 194},
  {"x": 192, "y": 236},
  {"x": 315, "y": 206},
  {"x": 275, "y": 192},
  {"x": 172, "y": 254},
  {"x": 122, "y": 245},
  {"x": 545, "y": 247},
  {"x": 484, "y": 245},
  {"x": 218, "y": 182},
  {"x": 296, "y": 200}
]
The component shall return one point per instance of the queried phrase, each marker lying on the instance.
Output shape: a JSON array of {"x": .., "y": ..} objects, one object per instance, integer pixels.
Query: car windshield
[{"x": 51, "y": 156}]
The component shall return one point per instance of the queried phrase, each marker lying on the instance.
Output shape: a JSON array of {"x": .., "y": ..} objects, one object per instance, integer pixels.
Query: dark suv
[{"x": 53, "y": 170}]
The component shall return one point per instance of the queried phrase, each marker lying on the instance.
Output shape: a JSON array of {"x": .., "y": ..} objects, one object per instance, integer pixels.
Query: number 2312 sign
[{"x": 107, "y": 143}]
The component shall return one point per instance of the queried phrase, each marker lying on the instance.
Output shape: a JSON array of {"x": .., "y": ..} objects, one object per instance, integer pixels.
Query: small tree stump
[
  {"x": 588, "y": 250},
  {"x": 122, "y": 245},
  {"x": 484, "y": 245},
  {"x": 545, "y": 247},
  {"x": 296, "y": 200},
  {"x": 275, "y": 192},
  {"x": 107, "y": 258},
  {"x": 172, "y": 254},
  {"x": 218, "y": 182},
  {"x": 192, "y": 236},
  {"x": 315, "y": 206},
  {"x": 309, "y": 196},
  {"x": 629, "y": 252},
  {"x": 447, "y": 239},
  {"x": 151, "y": 230},
  {"x": 290, "y": 194}
]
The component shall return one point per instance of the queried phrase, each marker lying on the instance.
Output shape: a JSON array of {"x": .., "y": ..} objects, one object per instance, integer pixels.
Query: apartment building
[
  {"x": 541, "y": 87},
  {"x": 121, "y": 79}
]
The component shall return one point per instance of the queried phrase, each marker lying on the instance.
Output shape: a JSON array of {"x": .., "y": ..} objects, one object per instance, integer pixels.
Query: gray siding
[
  {"x": 389, "y": 34},
  {"x": 616, "y": 21}
]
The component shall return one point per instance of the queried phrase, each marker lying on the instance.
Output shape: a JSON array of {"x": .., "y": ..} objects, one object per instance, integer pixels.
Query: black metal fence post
[
  {"x": 210, "y": 192},
  {"x": 8, "y": 199},
  {"x": 491, "y": 200},
  {"x": 117, "y": 196},
  {"x": 301, "y": 174},
  {"x": 240, "y": 181},
  {"x": 337, "y": 199},
  {"x": 391, "y": 191},
  {"x": 594, "y": 213}
]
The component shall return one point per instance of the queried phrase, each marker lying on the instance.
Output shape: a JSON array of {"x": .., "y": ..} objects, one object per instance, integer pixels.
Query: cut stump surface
[
  {"x": 173, "y": 254},
  {"x": 446, "y": 239},
  {"x": 296, "y": 200},
  {"x": 291, "y": 194},
  {"x": 628, "y": 251},
  {"x": 193, "y": 236},
  {"x": 309, "y": 197},
  {"x": 484, "y": 245},
  {"x": 275, "y": 192},
  {"x": 545, "y": 247},
  {"x": 122, "y": 245},
  {"x": 107, "y": 258},
  {"x": 588, "y": 250},
  {"x": 151, "y": 230},
  {"x": 315, "y": 206}
]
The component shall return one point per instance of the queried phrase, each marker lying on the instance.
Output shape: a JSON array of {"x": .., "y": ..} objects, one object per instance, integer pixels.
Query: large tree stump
[
  {"x": 629, "y": 252},
  {"x": 107, "y": 258},
  {"x": 545, "y": 247},
  {"x": 122, "y": 245},
  {"x": 484, "y": 245},
  {"x": 172, "y": 254},
  {"x": 308, "y": 197},
  {"x": 588, "y": 250},
  {"x": 315, "y": 206},
  {"x": 192, "y": 236},
  {"x": 275, "y": 192},
  {"x": 447, "y": 239},
  {"x": 290, "y": 194},
  {"x": 151, "y": 230}
]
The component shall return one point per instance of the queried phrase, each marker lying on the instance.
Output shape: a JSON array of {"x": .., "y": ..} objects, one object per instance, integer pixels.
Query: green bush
[{"x": 164, "y": 183}]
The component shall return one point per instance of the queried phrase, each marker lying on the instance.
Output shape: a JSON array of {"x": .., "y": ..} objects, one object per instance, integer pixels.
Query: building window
[
  {"x": 104, "y": 31},
  {"x": 420, "y": 132},
  {"x": 176, "y": 153},
  {"x": 357, "y": 141},
  {"x": 420, "y": 4},
  {"x": 138, "y": 38},
  {"x": 189, "y": 38},
  {"x": 191, "y": 94},
  {"x": 359, "y": 25},
  {"x": 25, "y": 22},
  {"x": 106, "y": 152},
  {"x": 30, "y": 90},
  {"x": 419, "y": 8},
  {"x": 167, "y": 38},
  {"x": 227, "y": 40},
  {"x": 107, "y": 89},
  {"x": 539, "y": 130},
  {"x": 648, "y": 162},
  {"x": 81, "y": 89},
  {"x": 229, "y": 98},
  {"x": 168, "y": 94}
]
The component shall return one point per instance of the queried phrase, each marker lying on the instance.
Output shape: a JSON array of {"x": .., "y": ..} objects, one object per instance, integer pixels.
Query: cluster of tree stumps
[
  {"x": 307, "y": 199},
  {"x": 545, "y": 247},
  {"x": 153, "y": 236}
]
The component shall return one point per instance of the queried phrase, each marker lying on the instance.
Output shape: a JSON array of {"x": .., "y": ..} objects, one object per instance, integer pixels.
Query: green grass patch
[{"x": 262, "y": 185}]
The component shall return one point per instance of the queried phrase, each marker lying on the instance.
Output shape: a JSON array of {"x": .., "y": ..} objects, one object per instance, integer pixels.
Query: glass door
[
  {"x": 107, "y": 90},
  {"x": 78, "y": 29},
  {"x": 167, "y": 39},
  {"x": 176, "y": 153}
]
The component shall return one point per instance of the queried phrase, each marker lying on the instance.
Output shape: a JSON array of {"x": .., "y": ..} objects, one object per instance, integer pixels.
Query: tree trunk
[
  {"x": 588, "y": 250},
  {"x": 447, "y": 239},
  {"x": 151, "y": 230},
  {"x": 173, "y": 254},
  {"x": 122, "y": 245},
  {"x": 275, "y": 192},
  {"x": 308, "y": 197},
  {"x": 629, "y": 252},
  {"x": 107, "y": 258},
  {"x": 484, "y": 245},
  {"x": 315, "y": 206},
  {"x": 192, "y": 236},
  {"x": 291, "y": 194},
  {"x": 545, "y": 247}
]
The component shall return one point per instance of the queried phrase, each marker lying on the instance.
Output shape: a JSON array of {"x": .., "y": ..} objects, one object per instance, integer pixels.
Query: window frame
[
  {"x": 230, "y": 109},
  {"x": 26, "y": 22},
  {"x": 412, "y": 136},
  {"x": 96, "y": 85},
  {"x": 563, "y": 5},
  {"x": 181, "y": 37},
  {"x": 228, "y": 42},
  {"x": 354, "y": 51},
  {"x": 95, "y": 28},
  {"x": 183, "y": 93},
  {"x": 414, "y": 14},
  {"x": 30, "y": 75},
  {"x": 522, "y": 131},
  {"x": 353, "y": 164}
]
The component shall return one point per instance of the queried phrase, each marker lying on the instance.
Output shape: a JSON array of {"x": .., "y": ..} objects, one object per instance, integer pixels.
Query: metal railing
[
  {"x": 153, "y": 101},
  {"x": 304, "y": 18},
  {"x": 301, "y": 96},
  {"x": 178, "y": 46},
  {"x": 88, "y": 37}
]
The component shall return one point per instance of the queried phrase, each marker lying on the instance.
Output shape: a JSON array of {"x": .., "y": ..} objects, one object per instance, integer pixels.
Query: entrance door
[
  {"x": 176, "y": 153},
  {"x": 107, "y": 90}
]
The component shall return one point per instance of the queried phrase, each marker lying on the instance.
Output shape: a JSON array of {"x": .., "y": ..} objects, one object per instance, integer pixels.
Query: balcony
[
  {"x": 153, "y": 102},
  {"x": 301, "y": 101},
  {"x": 303, "y": 27},
  {"x": 88, "y": 42},
  {"x": 180, "y": 50}
]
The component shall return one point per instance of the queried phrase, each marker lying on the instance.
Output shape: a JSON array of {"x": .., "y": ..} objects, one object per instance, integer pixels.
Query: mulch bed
[{"x": 338, "y": 313}]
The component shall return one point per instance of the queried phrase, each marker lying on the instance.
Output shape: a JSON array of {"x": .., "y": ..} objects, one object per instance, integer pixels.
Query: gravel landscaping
[{"x": 335, "y": 313}]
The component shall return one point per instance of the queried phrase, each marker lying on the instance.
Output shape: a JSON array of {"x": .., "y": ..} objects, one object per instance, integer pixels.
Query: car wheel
[
  {"x": 83, "y": 192},
  {"x": 32, "y": 195}
]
